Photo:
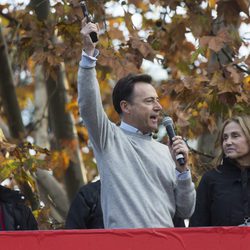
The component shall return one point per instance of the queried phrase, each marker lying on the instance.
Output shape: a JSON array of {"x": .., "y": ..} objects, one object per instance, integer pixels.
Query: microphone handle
[
  {"x": 180, "y": 158},
  {"x": 93, "y": 36},
  {"x": 171, "y": 133}
]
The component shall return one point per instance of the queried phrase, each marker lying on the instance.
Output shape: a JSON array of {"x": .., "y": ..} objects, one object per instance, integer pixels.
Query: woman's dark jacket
[
  {"x": 223, "y": 197},
  {"x": 15, "y": 215}
]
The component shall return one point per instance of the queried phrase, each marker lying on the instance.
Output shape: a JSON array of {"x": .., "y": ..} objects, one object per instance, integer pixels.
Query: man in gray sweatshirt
[{"x": 142, "y": 185}]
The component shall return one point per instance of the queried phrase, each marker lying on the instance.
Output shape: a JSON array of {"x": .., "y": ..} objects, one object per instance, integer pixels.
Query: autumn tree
[{"x": 197, "y": 43}]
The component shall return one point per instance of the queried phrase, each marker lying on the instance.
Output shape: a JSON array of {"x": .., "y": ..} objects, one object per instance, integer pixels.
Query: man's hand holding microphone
[
  {"x": 90, "y": 31},
  {"x": 178, "y": 146}
]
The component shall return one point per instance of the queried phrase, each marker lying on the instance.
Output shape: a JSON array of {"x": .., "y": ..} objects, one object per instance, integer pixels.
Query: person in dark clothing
[
  {"x": 85, "y": 211},
  {"x": 223, "y": 195},
  {"x": 178, "y": 222},
  {"x": 14, "y": 214}
]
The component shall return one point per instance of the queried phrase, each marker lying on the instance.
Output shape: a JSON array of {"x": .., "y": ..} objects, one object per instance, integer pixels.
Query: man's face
[{"x": 144, "y": 108}]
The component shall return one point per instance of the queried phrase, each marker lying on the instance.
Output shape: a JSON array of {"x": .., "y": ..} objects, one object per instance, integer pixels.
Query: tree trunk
[
  {"x": 53, "y": 193},
  {"x": 7, "y": 92},
  {"x": 62, "y": 126},
  {"x": 40, "y": 119},
  {"x": 49, "y": 188}
]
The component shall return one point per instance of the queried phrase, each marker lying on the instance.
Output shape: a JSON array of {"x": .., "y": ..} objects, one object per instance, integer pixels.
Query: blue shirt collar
[
  {"x": 128, "y": 127},
  {"x": 131, "y": 129}
]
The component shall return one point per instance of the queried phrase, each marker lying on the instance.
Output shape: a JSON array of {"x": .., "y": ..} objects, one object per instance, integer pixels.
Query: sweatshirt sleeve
[
  {"x": 90, "y": 104},
  {"x": 185, "y": 197}
]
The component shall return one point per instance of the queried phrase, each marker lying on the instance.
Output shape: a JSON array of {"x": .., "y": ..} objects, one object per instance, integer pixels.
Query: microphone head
[{"x": 167, "y": 120}]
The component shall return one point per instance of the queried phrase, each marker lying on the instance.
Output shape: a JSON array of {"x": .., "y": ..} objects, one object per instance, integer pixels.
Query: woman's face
[{"x": 235, "y": 145}]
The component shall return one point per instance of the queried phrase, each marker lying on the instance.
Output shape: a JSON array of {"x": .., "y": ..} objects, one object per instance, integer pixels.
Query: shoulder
[
  {"x": 90, "y": 191},
  {"x": 93, "y": 186},
  {"x": 22, "y": 214},
  {"x": 160, "y": 144},
  {"x": 214, "y": 172},
  {"x": 211, "y": 176},
  {"x": 11, "y": 196}
]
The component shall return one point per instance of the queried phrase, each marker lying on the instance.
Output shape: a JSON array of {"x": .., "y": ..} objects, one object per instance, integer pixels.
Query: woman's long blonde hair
[{"x": 244, "y": 122}]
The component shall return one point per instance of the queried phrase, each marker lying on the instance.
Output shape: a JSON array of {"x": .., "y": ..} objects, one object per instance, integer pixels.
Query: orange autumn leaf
[
  {"x": 72, "y": 106},
  {"x": 165, "y": 102}
]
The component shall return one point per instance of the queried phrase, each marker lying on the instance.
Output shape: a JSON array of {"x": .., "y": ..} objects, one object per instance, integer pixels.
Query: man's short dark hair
[{"x": 123, "y": 89}]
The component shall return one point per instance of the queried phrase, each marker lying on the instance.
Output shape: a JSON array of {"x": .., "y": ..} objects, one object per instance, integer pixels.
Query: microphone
[
  {"x": 168, "y": 123},
  {"x": 93, "y": 35}
]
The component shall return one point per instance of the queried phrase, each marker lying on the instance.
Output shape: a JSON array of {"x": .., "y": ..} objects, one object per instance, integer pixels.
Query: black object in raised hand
[{"x": 93, "y": 35}]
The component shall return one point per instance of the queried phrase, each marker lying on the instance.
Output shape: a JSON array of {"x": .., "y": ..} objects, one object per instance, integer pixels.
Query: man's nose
[{"x": 158, "y": 106}]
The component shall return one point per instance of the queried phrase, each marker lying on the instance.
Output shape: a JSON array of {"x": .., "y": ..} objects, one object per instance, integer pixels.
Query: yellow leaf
[
  {"x": 195, "y": 113},
  {"x": 65, "y": 160},
  {"x": 212, "y": 3},
  {"x": 246, "y": 82},
  {"x": 7, "y": 168},
  {"x": 26, "y": 177},
  {"x": 4, "y": 21}
]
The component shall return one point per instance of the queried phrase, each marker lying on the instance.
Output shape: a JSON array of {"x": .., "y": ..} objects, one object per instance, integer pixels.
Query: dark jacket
[
  {"x": 223, "y": 196},
  {"x": 85, "y": 211},
  {"x": 15, "y": 215}
]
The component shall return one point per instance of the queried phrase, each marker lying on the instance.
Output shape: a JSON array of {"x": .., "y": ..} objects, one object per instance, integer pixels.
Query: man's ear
[{"x": 125, "y": 107}]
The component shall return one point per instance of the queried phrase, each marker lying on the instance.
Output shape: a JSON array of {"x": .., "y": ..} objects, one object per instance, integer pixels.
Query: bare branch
[
  {"x": 236, "y": 65},
  {"x": 198, "y": 152}
]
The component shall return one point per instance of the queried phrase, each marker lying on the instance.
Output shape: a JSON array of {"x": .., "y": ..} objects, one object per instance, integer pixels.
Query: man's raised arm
[{"x": 89, "y": 99}]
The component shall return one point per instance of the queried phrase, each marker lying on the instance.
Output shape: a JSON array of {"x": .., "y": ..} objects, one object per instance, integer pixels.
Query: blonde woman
[{"x": 223, "y": 195}]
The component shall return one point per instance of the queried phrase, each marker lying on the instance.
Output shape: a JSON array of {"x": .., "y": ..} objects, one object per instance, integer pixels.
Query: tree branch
[
  {"x": 244, "y": 5},
  {"x": 198, "y": 152},
  {"x": 236, "y": 65}
]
